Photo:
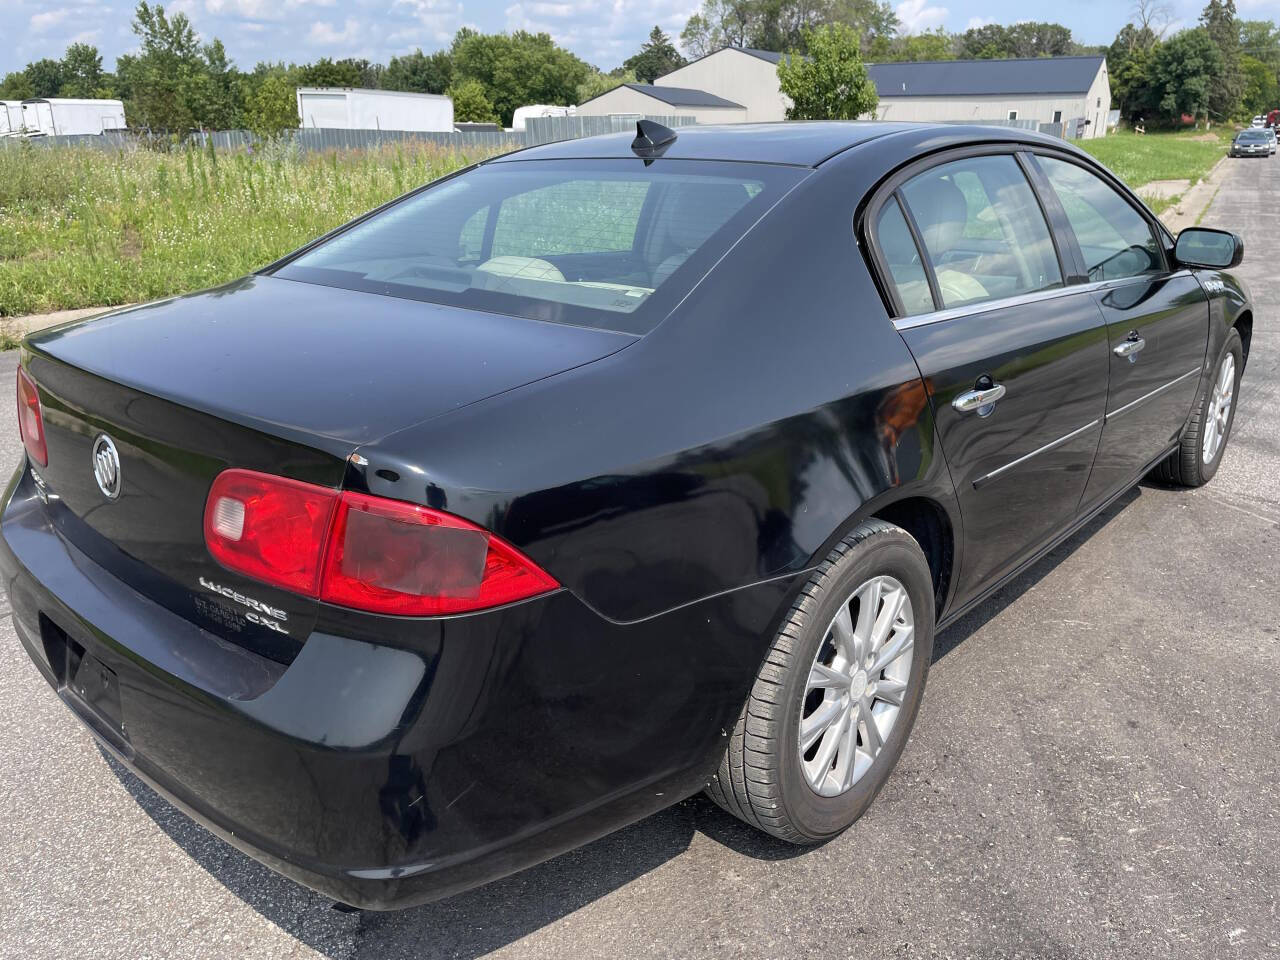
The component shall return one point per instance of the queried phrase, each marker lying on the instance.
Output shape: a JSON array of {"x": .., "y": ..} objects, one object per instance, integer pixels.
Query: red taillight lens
[
  {"x": 30, "y": 419},
  {"x": 359, "y": 551},
  {"x": 269, "y": 528}
]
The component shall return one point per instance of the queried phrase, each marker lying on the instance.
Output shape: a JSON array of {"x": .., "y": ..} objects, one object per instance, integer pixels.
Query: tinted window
[
  {"x": 902, "y": 257},
  {"x": 587, "y": 242},
  {"x": 983, "y": 230},
  {"x": 1115, "y": 239}
]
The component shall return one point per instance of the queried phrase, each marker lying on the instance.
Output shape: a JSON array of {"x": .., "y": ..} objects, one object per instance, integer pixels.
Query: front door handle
[
  {"x": 982, "y": 400},
  {"x": 1130, "y": 347}
]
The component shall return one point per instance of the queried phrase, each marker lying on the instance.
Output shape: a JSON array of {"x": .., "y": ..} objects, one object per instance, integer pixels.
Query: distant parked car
[
  {"x": 1271, "y": 139},
  {"x": 1253, "y": 143},
  {"x": 1258, "y": 121}
]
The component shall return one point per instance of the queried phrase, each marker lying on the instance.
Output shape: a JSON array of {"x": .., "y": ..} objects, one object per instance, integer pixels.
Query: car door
[
  {"x": 1157, "y": 324},
  {"x": 1014, "y": 359}
]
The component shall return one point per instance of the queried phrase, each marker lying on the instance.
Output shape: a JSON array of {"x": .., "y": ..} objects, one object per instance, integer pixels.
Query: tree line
[{"x": 1223, "y": 68}]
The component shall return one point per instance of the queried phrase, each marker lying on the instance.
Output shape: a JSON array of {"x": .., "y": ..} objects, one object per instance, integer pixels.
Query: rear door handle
[
  {"x": 1130, "y": 347},
  {"x": 981, "y": 401}
]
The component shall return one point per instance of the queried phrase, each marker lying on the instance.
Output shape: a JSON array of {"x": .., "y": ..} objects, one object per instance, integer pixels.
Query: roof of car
[{"x": 798, "y": 143}]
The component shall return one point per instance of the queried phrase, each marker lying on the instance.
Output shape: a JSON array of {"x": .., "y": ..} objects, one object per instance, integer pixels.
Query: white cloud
[
  {"x": 976, "y": 22},
  {"x": 40, "y": 22},
  {"x": 85, "y": 36},
  {"x": 325, "y": 34},
  {"x": 917, "y": 15}
]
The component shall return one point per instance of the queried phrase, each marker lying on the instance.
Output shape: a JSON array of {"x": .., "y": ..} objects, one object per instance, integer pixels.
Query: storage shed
[
  {"x": 645, "y": 99},
  {"x": 350, "y": 108}
]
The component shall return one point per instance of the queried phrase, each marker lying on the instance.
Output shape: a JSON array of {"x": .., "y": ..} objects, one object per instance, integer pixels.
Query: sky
[{"x": 603, "y": 33}]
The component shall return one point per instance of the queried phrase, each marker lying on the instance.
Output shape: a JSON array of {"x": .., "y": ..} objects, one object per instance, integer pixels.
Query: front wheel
[
  {"x": 832, "y": 705},
  {"x": 1199, "y": 454}
]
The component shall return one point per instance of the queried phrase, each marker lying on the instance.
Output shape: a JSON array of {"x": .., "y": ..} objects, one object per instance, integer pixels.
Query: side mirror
[{"x": 1215, "y": 249}]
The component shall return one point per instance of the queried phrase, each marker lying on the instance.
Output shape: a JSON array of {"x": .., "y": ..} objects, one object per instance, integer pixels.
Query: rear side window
[
  {"x": 902, "y": 258},
  {"x": 596, "y": 243},
  {"x": 983, "y": 231},
  {"x": 1115, "y": 239}
]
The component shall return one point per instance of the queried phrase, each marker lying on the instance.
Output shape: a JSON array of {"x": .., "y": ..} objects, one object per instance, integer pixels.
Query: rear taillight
[
  {"x": 30, "y": 419},
  {"x": 359, "y": 551}
]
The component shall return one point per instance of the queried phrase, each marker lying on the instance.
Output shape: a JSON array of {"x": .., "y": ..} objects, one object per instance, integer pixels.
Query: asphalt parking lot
[{"x": 1095, "y": 773}]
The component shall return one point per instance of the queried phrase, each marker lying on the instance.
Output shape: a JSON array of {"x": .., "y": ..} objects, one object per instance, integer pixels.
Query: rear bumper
[{"x": 392, "y": 762}]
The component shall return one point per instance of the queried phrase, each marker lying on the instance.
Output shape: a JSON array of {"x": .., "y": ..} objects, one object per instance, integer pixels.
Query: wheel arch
[{"x": 1244, "y": 326}]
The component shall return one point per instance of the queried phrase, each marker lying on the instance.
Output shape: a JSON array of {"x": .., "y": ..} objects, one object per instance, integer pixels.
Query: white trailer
[
  {"x": 539, "y": 110},
  {"x": 347, "y": 108},
  {"x": 61, "y": 117},
  {"x": 10, "y": 117}
]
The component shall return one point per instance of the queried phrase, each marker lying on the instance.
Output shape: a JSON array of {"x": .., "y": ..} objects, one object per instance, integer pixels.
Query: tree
[
  {"x": 419, "y": 72},
  {"x": 168, "y": 81},
  {"x": 326, "y": 73},
  {"x": 470, "y": 104},
  {"x": 1129, "y": 59},
  {"x": 720, "y": 23},
  {"x": 831, "y": 83},
  {"x": 1261, "y": 94},
  {"x": 82, "y": 74},
  {"x": 517, "y": 69},
  {"x": 658, "y": 56},
  {"x": 1227, "y": 86},
  {"x": 273, "y": 107},
  {"x": 45, "y": 76},
  {"x": 598, "y": 83},
  {"x": 1027, "y": 39},
  {"x": 1182, "y": 74},
  {"x": 17, "y": 86},
  {"x": 930, "y": 45},
  {"x": 784, "y": 25},
  {"x": 1153, "y": 17}
]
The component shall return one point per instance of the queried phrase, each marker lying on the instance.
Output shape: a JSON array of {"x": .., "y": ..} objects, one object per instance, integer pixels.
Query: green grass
[
  {"x": 1139, "y": 159},
  {"x": 86, "y": 228}
]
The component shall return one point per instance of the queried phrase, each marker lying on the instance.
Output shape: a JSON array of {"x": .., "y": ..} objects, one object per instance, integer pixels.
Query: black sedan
[{"x": 596, "y": 475}]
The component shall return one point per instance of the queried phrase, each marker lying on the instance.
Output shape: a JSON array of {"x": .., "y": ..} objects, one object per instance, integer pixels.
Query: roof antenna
[{"x": 652, "y": 138}]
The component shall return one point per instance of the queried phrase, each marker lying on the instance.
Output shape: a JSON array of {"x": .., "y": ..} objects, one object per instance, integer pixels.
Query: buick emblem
[{"x": 106, "y": 466}]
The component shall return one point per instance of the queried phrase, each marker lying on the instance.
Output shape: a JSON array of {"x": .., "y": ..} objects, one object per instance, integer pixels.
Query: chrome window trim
[
  {"x": 988, "y": 306},
  {"x": 1051, "y": 445},
  {"x": 1112, "y": 414}
]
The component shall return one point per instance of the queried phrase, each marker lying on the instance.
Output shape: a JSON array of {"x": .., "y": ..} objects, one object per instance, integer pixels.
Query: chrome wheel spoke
[
  {"x": 871, "y": 741},
  {"x": 902, "y": 642},
  {"x": 818, "y": 722},
  {"x": 822, "y": 760},
  {"x": 868, "y": 606},
  {"x": 888, "y": 617},
  {"x": 891, "y": 691},
  {"x": 822, "y": 677},
  {"x": 842, "y": 633},
  {"x": 847, "y": 760}
]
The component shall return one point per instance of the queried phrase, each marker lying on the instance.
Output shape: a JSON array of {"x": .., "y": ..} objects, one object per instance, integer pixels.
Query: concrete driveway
[{"x": 1095, "y": 773}]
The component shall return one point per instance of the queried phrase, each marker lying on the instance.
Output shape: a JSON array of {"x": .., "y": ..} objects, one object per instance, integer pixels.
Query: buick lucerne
[{"x": 596, "y": 475}]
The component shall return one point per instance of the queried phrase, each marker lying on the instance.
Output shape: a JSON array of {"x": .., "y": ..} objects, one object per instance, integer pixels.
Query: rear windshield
[{"x": 600, "y": 243}]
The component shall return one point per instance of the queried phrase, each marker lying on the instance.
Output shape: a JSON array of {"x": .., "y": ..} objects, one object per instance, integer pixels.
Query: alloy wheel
[
  {"x": 1219, "y": 412},
  {"x": 856, "y": 686}
]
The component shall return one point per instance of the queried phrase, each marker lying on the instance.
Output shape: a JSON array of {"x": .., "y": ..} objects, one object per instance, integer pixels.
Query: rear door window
[
  {"x": 596, "y": 243},
  {"x": 984, "y": 234}
]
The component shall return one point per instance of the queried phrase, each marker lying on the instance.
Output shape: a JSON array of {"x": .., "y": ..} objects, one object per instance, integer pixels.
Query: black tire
[
  {"x": 1185, "y": 467},
  {"x": 760, "y": 779}
]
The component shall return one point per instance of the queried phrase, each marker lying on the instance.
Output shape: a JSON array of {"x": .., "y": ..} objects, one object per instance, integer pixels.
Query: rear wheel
[
  {"x": 833, "y": 703},
  {"x": 1200, "y": 452}
]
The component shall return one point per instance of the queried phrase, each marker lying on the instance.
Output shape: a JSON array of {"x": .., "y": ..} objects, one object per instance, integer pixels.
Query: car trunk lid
[{"x": 268, "y": 375}]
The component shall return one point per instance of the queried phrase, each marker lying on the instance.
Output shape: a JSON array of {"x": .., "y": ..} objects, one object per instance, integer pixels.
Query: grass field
[
  {"x": 1138, "y": 160},
  {"x": 84, "y": 228},
  {"x": 87, "y": 228}
]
